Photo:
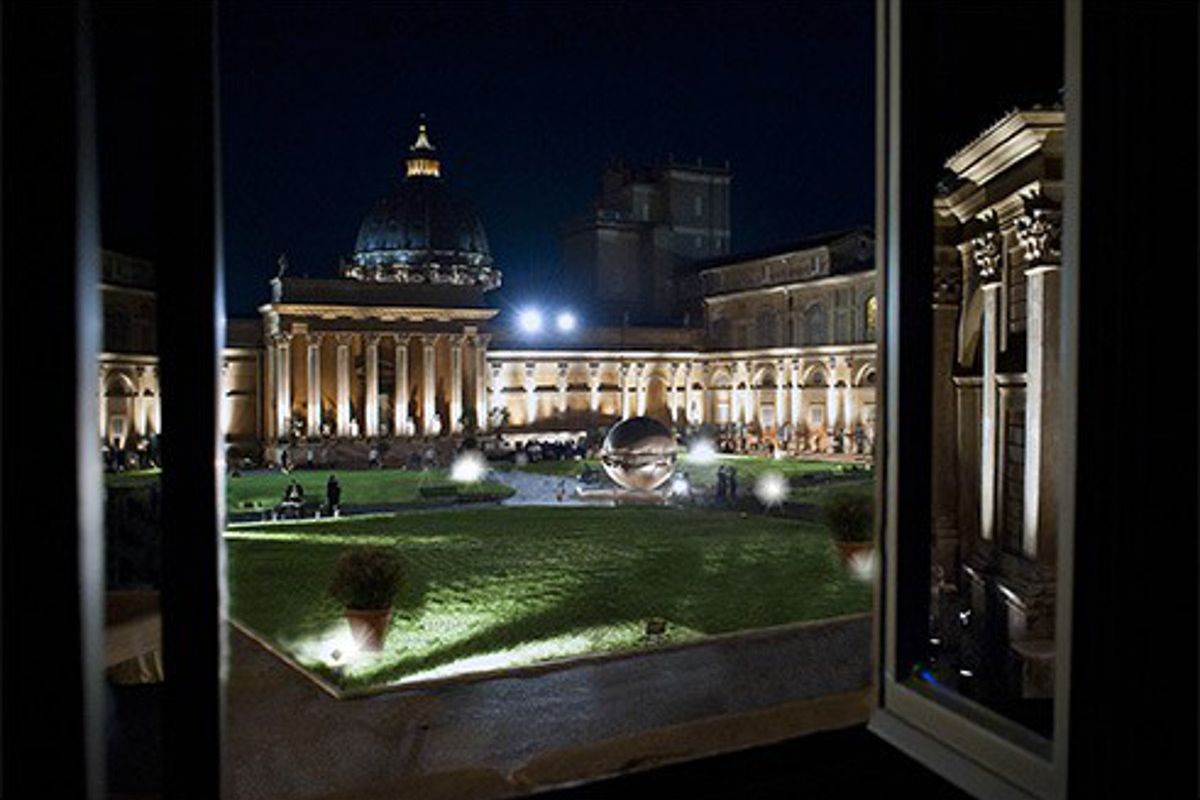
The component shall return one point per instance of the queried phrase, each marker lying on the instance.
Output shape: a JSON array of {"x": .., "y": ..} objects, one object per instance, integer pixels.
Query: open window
[{"x": 1000, "y": 260}]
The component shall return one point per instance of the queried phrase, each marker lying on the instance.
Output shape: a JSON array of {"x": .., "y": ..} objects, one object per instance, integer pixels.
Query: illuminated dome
[{"x": 421, "y": 232}]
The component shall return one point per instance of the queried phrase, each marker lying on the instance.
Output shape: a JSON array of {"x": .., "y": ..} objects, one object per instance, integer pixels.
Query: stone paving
[{"x": 539, "y": 490}]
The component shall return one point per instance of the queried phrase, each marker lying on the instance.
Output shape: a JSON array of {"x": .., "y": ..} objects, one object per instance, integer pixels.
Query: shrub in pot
[
  {"x": 850, "y": 518},
  {"x": 366, "y": 581}
]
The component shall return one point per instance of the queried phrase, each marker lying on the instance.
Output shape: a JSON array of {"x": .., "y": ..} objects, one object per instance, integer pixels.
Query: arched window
[
  {"x": 870, "y": 317},
  {"x": 815, "y": 328}
]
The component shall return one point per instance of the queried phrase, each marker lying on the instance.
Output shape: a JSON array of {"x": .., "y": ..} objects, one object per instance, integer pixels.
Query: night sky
[{"x": 526, "y": 103}]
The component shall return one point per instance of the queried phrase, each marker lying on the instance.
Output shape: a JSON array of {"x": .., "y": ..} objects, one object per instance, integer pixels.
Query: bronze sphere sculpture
[{"x": 639, "y": 454}]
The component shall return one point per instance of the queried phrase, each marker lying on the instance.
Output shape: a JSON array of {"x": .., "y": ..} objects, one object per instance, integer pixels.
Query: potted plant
[
  {"x": 850, "y": 518},
  {"x": 366, "y": 581}
]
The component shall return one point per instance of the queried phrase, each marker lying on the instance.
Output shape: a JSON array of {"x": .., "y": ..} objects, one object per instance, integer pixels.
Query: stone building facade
[
  {"x": 647, "y": 226},
  {"x": 128, "y": 382},
  {"x": 402, "y": 351},
  {"x": 751, "y": 367},
  {"x": 996, "y": 385}
]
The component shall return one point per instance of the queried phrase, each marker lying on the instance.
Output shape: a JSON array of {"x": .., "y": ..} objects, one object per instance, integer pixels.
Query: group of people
[
  {"x": 119, "y": 457},
  {"x": 536, "y": 450},
  {"x": 293, "y": 498}
]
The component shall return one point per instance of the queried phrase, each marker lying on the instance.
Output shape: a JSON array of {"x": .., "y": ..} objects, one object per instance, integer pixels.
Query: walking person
[{"x": 333, "y": 496}]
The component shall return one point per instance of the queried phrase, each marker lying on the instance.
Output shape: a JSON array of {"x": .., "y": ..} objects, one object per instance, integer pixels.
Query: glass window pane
[{"x": 995, "y": 394}]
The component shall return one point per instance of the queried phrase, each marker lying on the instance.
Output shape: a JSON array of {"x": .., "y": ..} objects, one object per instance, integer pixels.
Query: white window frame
[{"x": 966, "y": 743}]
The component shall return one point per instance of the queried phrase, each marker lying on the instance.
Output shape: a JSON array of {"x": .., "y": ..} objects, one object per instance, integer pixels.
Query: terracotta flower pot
[
  {"x": 368, "y": 627},
  {"x": 848, "y": 550}
]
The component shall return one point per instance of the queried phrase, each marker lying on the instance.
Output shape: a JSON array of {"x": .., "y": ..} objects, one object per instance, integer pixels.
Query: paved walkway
[{"x": 539, "y": 490}]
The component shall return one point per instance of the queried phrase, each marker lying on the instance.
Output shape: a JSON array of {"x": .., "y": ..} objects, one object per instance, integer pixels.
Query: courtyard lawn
[
  {"x": 131, "y": 479},
  {"x": 360, "y": 488},
  {"x": 568, "y": 468},
  {"x": 750, "y": 467},
  {"x": 821, "y": 492},
  {"x": 501, "y": 587}
]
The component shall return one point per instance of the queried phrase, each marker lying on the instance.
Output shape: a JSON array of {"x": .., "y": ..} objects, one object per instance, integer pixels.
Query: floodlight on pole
[
  {"x": 530, "y": 320},
  {"x": 565, "y": 322}
]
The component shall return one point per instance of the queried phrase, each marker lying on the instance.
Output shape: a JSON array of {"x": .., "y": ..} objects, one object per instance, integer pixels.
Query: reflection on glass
[{"x": 995, "y": 420}]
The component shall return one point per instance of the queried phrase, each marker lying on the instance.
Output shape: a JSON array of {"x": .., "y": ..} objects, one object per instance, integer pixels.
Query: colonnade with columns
[
  {"x": 781, "y": 391},
  {"x": 129, "y": 404},
  {"x": 436, "y": 384}
]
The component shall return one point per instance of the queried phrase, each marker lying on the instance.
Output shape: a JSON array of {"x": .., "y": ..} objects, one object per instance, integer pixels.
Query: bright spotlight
[
  {"x": 863, "y": 567},
  {"x": 702, "y": 452},
  {"x": 565, "y": 321},
  {"x": 771, "y": 488},
  {"x": 530, "y": 320},
  {"x": 468, "y": 467}
]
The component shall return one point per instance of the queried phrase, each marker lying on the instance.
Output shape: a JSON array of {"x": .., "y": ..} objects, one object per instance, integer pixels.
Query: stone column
[
  {"x": 1038, "y": 231},
  {"x": 428, "y": 388},
  {"x": 530, "y": 393},
  {"x": 481, "y": 405},
  {"x": 456, "y": 384},
  {"x": 848, "y": 408},
  {"x": 831, "y": 398},
  {"x": 371, "y": 417},
  {"x": 747, "y": 403},
  {"x": 798, "y": 420},
  {"x": 343, "y": 383},
  {"x": 139, "y": 402},
  {"x": 594, "y": 386},
  {"x": 561, "y": 384},
  {"x": 640, "y": 384},
  {"x": 313, "y": 381},
  {"x": 987, "y": 262},
  {"x": 673, "y": 393},
  {"x": 781, "y": 410},
  {"x": 156, "y": 403},
  {"x": 497, "y": 388},
  {"x": 401, "y": 426},
  {"x": 623, "y": 369},
  {"x": 102, "y": 418},
  {"x": 688, "y": 394},
  {"x": 283, "y": 394},
  {"x": 735, "y": 395}
]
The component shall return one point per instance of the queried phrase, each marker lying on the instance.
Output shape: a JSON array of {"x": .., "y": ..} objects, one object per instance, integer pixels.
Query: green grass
[
  {"x": 500, "y": 587},
  {"x": 750, "y": 467},
  {"x": 133, "y": 479},
  {"x": 359, "y": 487},
  {"x": 562, "y": 468},
  {"x": 820, "y": 493}
]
